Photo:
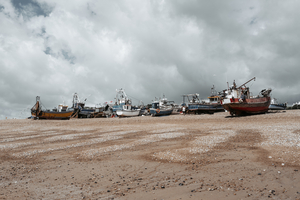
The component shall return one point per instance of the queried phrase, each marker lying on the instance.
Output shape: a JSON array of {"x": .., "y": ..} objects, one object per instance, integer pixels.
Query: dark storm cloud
[
  {"x": 265, "y": 40},
  {"x": 30, "y": 8}
]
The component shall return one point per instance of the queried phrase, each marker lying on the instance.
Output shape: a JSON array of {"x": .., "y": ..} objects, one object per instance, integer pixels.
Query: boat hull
[
  {"x": 203, "y": 108},
  {"x": 160, "y": 112},
  {"x": 248, "y": 106},
  {"x": 128, "y": 113},
  {"x": 277, "y": 107},
  {"x": 52, "y": 115},
  {"x": 85, "y": 113}
]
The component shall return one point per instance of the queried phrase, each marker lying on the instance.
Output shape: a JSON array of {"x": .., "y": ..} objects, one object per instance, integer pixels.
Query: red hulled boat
[{"x": 237, "y": 100}]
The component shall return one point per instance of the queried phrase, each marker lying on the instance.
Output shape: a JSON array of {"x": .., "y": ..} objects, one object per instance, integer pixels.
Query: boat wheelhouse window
[{"x": 155, "y": 105}]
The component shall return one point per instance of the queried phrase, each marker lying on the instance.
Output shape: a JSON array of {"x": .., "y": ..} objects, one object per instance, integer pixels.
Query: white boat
[
  {"x": 296, "y": 105},
  {"x": 127, "y": 111},
  {"x": 277, "y": 106}
]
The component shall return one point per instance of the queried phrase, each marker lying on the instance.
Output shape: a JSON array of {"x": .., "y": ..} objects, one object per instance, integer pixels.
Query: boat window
[{"x": 154, "y": 105}]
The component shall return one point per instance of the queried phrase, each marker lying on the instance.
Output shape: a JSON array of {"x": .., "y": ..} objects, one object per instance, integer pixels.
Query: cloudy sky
[{"x": 54, "y": 48}]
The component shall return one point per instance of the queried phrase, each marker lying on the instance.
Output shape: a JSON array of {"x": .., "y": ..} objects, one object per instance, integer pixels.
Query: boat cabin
[
  {"x": 155, "y": 105},
  {"x": 126, "y": 107},
  {"x": 62, "y": 108},
  {"x": 214, "y": 99}
]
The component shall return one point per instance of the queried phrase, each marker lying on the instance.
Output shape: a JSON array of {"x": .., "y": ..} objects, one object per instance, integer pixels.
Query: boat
[
  {"x": 176, "y": 109},
  {"x": 128, "y": 111},
  {"x": 164, "y": 102},
  {"x": 123, "y": 107},
  {"x": 121, "y": 100},
  {"x": 80, "y": 110},
  {"x": 197, "y": 106},
  {"x": 61, "y": 113},
  {"x": 143, "y": 109},
  {"x": 274, "y": 105},
  {"x": 237, "y": 100},
  {"x": 296, "y": 105},
  {"x": 161, "y": 107}
]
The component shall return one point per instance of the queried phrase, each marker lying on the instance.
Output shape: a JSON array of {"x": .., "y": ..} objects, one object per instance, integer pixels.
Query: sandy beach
[{"x": 172, "y": 157}]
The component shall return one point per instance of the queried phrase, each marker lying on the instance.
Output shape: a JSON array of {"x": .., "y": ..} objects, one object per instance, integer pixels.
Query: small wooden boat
[
  {"x": 38, "y": 113},
  {"x": 238, "y": 101}
]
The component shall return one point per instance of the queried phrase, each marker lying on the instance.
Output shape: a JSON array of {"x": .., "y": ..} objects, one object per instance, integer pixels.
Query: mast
[
  {"x": 76, "y": 100},
  {"x": 213, "y": 92},
  {"x": 123, "y": 97},
  {"x": 37, "y": 106}
]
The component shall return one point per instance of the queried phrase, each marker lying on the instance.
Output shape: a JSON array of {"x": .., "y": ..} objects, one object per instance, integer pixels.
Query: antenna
[
  {"x": 87, "y": 97},
  {"x": 63, "y": 100}
]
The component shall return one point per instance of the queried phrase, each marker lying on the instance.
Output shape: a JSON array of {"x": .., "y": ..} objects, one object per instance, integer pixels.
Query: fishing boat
[
  {"x": 143, "y": 109},
  {"x": 197, "y": 106},
  {"x": 237, "y": 100},
  {"x": 296, "y": 105},
  {"x": 80, "y": 110},
  {"x": 176, "y": 109},
  {"x": 274, "y": 105},
  {"x": 61, "y": 113},
  {"x": 123, "y": 107},
  {"x": 128, "y": 111},
  {"x": 121, "y": 100},
  {"x": 161, "y": 107}
]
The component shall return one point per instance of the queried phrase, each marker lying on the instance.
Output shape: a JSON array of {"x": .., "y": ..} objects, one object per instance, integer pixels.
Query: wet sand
[{"x": 173, "y": 157}]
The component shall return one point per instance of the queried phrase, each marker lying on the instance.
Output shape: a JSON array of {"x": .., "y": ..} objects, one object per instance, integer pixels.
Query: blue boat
[
  {"x": 205, "y": 107},
  {"x": 211, "y": 105},
  {"x": 161, "y": 107},
  {"x": 86, "y": 112},
  {"x": 80, "y": 110}
]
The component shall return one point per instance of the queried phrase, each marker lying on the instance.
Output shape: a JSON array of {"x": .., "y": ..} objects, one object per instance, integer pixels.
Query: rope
[{"x": 134, "y": 98}]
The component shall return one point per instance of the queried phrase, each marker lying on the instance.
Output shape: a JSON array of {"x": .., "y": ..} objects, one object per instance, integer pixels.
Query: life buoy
[{"x": 157, "y": 110}]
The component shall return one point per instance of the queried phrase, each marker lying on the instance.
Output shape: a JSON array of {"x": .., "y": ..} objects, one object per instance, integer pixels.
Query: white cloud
[{"x": 56, "y": 48}]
